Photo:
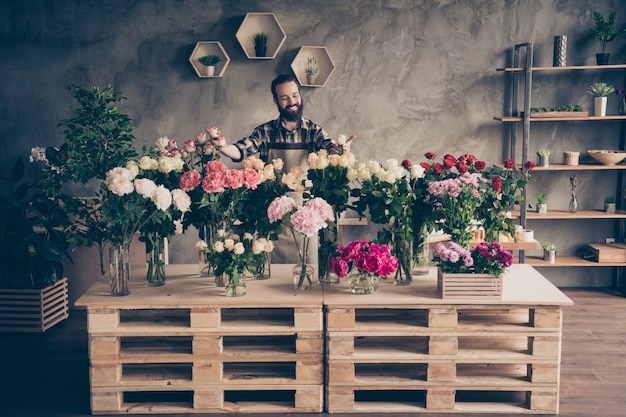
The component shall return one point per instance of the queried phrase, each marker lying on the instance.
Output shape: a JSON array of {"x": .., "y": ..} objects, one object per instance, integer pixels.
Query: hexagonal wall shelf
[
  {"x": 255, "y": 23},
  {"x": 323, "y": 61},
  {"x": 204, "y": 48}
]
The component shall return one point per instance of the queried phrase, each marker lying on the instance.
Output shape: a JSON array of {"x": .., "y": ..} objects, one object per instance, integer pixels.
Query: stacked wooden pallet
[
  {"x": 408, "y": 351},
  {"x": 168, "y": 350}
]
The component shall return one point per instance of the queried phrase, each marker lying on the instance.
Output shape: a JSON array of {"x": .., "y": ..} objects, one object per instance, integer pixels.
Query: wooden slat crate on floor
[
  {"x": 186, "y": 348},
  {"x": 404, "y": 349},
  {"x": 33, "y": 310}
]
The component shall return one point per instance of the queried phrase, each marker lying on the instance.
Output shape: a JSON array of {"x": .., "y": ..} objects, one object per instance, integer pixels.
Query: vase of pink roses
[
  {"x": 365, "y": 262},
  {"x": 304, "y": 222}
]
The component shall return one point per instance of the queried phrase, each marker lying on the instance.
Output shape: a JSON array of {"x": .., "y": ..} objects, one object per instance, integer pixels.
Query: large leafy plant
[
  {"x": 98, "y": 137},
  {"x": 604, "y": 31},
  {"x": 32, "y": 238}
]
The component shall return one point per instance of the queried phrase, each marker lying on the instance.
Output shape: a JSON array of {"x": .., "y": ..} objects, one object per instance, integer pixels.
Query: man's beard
[{"x": 291, "y": 116}]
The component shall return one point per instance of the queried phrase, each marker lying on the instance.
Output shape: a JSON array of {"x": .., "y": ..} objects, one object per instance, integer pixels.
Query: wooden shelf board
[
  {"x": 568, "y": 261},
  {"x": 560, "y": 119},
  {"x": 566, "y": 68},
  {"x": 566, "y": 215},
  {"x": 579, "y": 167},
  {"x": 512, "y": 245}
]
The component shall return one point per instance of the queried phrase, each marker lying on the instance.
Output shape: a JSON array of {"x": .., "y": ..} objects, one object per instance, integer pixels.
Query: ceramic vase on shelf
[
  {"x": 362, "y": 282},
  {"x": 155, "y": 259},
  {"x": 303, "y": 271},
  {"x": 327, "y": 246},
  {"x": 573, "y": 203},
  {"x": 235, "y": 285},
  {"x": 599, "y": 106},
  {"x": 119, "y": 269}
]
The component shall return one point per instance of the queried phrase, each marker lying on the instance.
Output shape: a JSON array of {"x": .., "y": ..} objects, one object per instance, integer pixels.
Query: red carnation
[
  {"x": 406, "y": 164},
  {"x": 430, "y": 155},
  {"x": 470, "y": 158},
  {"x": 438, "y": 168},
  {"x": 496, "y": 184},
  {"x": 449, "y": 161},
  {"x": 461, "y": 167},
  {"x": 529, "y": 165},
  {"x": 509, "y": 163},
  {"x": 425, "y": 165},
  {"x": 480, "y": 165}
]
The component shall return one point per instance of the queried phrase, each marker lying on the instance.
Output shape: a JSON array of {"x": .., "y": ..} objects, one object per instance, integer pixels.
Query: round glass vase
[
  {"x": 155, "y": 259},
  {"x": 362, "y": 282},
  {"x": 235, "y": 285},
  {"x": 327, "y": 246},
  {"x": 119, "y": 270}
]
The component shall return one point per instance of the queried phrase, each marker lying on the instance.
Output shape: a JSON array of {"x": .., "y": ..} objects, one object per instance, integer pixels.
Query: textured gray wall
[{"x": 411, "y": 76}]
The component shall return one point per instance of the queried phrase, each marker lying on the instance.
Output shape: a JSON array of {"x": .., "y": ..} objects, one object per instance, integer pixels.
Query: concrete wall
[{"x": 411, "y": 76}]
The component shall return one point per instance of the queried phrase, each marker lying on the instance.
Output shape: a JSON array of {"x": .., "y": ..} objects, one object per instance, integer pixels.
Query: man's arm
[{"x": 232, "y": 152}]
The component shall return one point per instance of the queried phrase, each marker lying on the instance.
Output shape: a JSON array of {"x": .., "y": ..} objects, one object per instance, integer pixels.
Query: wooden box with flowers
[{"x": 471, "y": 275}]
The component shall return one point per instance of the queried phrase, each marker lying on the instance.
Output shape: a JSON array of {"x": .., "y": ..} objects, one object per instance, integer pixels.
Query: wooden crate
[
  {"x": 606, "y": 252},
  {"x": 407, "y": 350},
  {"x": 469, "y": 286},
  {"x": 186, "y": 348},
  {"x": 33, "y": 310}
]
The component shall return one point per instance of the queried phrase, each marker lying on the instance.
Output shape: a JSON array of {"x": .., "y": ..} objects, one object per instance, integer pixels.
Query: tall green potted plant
[
  {"x": 260, "y": 43},
  {"x": 604, "y": 31},
  {"x": 98, "y": 137}
]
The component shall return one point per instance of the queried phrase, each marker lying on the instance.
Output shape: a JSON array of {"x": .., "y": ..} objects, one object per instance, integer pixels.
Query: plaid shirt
[{"x": 273, "y": 131}]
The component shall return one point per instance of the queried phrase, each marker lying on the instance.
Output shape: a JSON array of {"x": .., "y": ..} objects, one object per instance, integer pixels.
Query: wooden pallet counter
[
  {"x": 404, "y": 349},
  {"x": 186, "y": 348}
]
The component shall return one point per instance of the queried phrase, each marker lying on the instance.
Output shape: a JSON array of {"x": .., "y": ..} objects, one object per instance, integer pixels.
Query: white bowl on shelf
[{"x": 607, "y": 157}]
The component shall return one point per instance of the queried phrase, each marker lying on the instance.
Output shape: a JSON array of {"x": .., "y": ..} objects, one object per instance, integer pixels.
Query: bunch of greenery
[
  {"x": 209, "y": 60},
  {"x": 566, "y": 107},
  {"x": 600, "y": 89}
]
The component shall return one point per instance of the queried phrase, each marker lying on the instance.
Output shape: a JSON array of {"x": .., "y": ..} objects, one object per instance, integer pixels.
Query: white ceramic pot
[
  {"x": 599, "y": 106},
  {"x": 527, "y": 235}
]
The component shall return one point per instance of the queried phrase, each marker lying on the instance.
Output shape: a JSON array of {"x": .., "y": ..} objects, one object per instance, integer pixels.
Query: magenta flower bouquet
[
  {"x": 366, "y": 257},
  {"x": 485, "y": 258}
]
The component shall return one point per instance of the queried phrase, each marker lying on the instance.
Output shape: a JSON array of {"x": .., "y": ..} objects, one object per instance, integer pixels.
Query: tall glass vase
[
  {"x": 421, "y": 254},
  {"x": 327, "y": 246},
  {"x": 303, "y": 271},
  {"x": 403, "y": 250},
  {"x": 263, "y": 266},
  {"x": 621, "y": 107},
  {"x": 119, "y": 269},
  {"x": 155, "y": 259},
  {"x": 208, "y": 234}
]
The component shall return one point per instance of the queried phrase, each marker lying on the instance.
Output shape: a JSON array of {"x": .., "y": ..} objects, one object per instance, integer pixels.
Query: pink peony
[
  {"x": 216, "y": 166},
  {"x": 251, "y": 178},
  {"x": 190, "y": 180},
  {"x": 279, "y": 207},
  {"x": 307, "y": 220},
  {"x": 214, "y": 182},
  {"x": 234, "y": 179},
  {"x": 324, "y": 209}
]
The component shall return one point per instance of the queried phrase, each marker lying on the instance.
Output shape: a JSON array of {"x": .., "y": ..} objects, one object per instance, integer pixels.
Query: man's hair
[{"x": 282, "y": 79}]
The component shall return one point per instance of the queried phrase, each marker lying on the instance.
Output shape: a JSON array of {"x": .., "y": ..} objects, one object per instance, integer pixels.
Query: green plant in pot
[
  {"x": 549, "y": 252},
  {"x": 600, "y": 93},
  {"x": 33, "y": 237},
  {"x": 260, "y": 43},
  {"x": 209, "y": 62},
  {"x": 609, "y": 204},
  {"x": 543, "y": 157},
  {"x": 604, "y": 31},
  {"x": 311, "y": 69},
  {"x": 98, "y": 137},
  {"x": 542, "y": 203}
]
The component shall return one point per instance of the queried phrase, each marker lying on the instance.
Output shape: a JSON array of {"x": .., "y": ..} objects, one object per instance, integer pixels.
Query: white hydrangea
[{"x": 119, "y": 181}]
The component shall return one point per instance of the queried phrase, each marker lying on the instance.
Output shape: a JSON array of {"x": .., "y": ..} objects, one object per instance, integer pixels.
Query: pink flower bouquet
[
  {"x": 485, "y": 258},
  {"x": 367, "y": 257}
]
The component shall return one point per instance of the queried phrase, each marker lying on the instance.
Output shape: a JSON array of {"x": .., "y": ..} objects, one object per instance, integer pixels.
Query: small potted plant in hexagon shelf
[{"x": 209, "y": 61}]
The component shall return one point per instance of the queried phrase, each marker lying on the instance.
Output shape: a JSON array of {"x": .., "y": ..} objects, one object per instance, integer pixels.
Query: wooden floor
[{"x": 45, "y": 375}]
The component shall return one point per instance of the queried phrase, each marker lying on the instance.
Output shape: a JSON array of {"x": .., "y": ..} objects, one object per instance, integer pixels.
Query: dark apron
[{"x": 285, "y": 252}]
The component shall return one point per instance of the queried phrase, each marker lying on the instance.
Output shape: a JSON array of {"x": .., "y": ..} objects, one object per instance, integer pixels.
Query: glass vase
[
  {"x": 621, "y": 107},
  {"x": 327, "y": 246},
  {"x": 155, "y": 259},
  {"x": 264, "y": 270},
  {"x": 403, "y": 250},
  {"x": 208, "y": 234},
  {"x": 235, "y": 285},
  {"x": 303, "y": 271},
  {"x": 362, "y": 282},
  {"x": 421, "y": 257},
  {"x": 119, "y": 269},
  {"x": 573, "y": 204}
]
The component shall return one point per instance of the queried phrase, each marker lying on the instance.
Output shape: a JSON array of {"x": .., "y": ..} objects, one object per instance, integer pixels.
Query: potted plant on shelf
[
  {"x": 543, "y": 157},
  {"x": 609, "y": 204},
  {"x": 311, "y": 70},
  {"x": 600, "y": 92},
  {"x": 549, "y": 252},
  {"x": 542, "y": 204},
  {"x": 209, "y": 61},
  {"x": 604, "y": 32},
  {"x": 260, "y": 43}
]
